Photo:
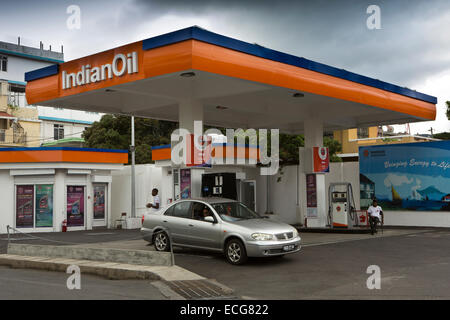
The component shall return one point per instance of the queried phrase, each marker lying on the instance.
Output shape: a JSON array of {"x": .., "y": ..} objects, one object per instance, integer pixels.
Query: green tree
[
  {"x": 333, "y": 147},
  {"x": 448, "y": 109},
  {"x": 114, "y": 132},
  {"x": 442, "y": 136}
]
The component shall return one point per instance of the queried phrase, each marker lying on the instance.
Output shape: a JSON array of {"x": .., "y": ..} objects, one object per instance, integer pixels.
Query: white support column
[
  {"x": 313, "y": 128},
  {"x": 59, "y": 200},
  {"x": 313, "y": 132},
  {"x": 189, "y": 111}
]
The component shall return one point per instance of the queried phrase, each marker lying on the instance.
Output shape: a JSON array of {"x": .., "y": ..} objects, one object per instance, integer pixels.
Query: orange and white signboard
[
  {"x": 321, "y": 160},
  {"x": 199, "y": 153}
]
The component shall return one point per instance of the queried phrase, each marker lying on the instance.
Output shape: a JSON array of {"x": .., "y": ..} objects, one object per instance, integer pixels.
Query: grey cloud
[{"x": 406, "y": 50}]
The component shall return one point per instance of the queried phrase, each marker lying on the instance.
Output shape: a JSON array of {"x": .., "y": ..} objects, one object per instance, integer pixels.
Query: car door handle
[
  {"x": 165, "y": 221},
  {"x": 191, "y": 225}
]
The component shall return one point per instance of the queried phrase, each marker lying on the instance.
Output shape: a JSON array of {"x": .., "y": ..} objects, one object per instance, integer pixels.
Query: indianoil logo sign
[{"x": 120, "y": 65}]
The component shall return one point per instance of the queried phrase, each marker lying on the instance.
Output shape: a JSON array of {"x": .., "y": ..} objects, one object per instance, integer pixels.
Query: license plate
[{"x": 289, "y": 248}]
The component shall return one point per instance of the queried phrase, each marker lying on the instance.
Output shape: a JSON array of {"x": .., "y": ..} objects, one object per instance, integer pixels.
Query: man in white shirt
[
  {"x": 375, "y": 212},
  {"x": 155, "y": 205}
]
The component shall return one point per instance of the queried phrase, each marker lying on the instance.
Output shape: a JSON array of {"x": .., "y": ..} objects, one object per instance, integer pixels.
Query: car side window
[
  {"x": 169, "y": 212},
  {"x": 200, "y": 211},
  {"x": 182, "y": 210}
]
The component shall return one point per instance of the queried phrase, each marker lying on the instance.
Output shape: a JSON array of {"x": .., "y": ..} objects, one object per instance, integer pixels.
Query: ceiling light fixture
[
  {"x": 188, "y": 74},
  {"x": 221, "y": 108},
  {"x": 298, "y": 95}
]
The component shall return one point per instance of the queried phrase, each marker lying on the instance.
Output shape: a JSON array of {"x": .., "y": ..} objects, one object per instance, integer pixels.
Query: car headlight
[
  {"x": 295, "y": 233},
  {"x": 262, "y": 236}
]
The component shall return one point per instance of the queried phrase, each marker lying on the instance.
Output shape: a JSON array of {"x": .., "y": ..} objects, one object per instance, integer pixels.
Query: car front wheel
[
  {"x": 162, "y": 242},
  {"x": 235, "y": 252}
]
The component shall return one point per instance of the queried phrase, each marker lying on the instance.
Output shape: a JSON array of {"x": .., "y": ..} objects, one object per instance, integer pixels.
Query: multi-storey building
[
  {"x": 352, "y": 139},
  {"x": 23, "y": 125}
]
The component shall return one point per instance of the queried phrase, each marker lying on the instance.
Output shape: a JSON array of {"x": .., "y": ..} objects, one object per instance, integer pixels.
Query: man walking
[{"x": 375, "y": 212}]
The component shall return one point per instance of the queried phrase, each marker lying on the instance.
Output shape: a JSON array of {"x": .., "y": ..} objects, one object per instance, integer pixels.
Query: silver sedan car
[{"x": 221, "y": 225}]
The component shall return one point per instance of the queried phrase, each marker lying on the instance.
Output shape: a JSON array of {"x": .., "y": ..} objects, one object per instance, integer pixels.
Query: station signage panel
[{"x": 321, "y": 159}]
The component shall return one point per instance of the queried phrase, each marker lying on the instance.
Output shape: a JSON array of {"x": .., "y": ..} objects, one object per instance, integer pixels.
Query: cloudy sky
[{"x": 411, "y": 49}]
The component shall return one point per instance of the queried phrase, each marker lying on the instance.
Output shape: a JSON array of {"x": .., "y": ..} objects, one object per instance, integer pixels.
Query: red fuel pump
[{"x": 64, "y": 226}]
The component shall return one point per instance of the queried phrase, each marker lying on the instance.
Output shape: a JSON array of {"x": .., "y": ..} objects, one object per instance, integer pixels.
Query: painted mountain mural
[{"x": 431, "y": 193}]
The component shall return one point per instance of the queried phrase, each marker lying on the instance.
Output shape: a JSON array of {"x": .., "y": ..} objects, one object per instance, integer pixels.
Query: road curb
[{"x": 113, "y": 271}]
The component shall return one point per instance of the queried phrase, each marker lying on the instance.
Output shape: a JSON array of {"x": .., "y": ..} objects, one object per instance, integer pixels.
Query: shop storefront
[{"x": 44, "y": 187}]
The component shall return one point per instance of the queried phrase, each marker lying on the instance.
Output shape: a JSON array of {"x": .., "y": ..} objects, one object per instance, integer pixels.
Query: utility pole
[
  {"x": 133, "y": 177},
  {"x": 431, "y": 130}
]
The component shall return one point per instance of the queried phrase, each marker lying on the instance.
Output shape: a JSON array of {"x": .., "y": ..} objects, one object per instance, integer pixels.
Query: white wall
[
  {"x": 148, "y": 176},
  {"x": 71, "y": 130},
  {"x": 7, "y": 200},
  {"x": 68, "y": 114},
  {"x": 17, "y": 67},
  {"x": 417, "y": 218},
  {"x": 166, "y": 190},
  {"x": 282, "y": 195}
]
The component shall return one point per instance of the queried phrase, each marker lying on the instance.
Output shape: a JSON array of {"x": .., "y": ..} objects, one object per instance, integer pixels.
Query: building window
[
  {"x": 2, "y": 135},
  {"x": 3, "y": 63},
  {"x": 16, "y": 96},
  {"x": 58, "y": 131},
  {"x": 363, "y": 133}
]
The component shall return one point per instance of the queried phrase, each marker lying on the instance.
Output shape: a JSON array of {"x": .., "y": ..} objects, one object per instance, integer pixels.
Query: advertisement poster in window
[
  {"x": 185, "y": 183},
  {"x": 99, "y": 202},
  {"x": 75, "y": 206},
  {"x": 24, "y": 206},
  {"x": 44, "y": 205}
]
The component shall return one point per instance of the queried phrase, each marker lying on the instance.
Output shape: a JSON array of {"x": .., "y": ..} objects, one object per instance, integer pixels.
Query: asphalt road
[
  {"x": 414, "y": 265},
  {"x": 22, "y": 284}
]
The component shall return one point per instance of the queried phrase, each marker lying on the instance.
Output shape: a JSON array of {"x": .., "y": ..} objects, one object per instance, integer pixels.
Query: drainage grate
[{"x": 198, "y": 289}]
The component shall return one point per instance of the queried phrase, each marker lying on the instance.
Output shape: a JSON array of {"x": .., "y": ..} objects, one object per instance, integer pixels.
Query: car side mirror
[{"x": 209, "y": 219}]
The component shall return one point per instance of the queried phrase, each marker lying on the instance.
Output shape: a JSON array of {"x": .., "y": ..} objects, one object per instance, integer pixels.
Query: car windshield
[{"x": 234, "y": 211}]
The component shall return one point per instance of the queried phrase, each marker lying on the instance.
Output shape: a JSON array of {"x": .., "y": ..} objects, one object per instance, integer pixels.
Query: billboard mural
[{"x": 409, "y": 176}]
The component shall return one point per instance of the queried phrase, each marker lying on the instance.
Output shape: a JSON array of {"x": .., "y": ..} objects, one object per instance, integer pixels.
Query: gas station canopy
[{"x": 238, "y": 84}]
